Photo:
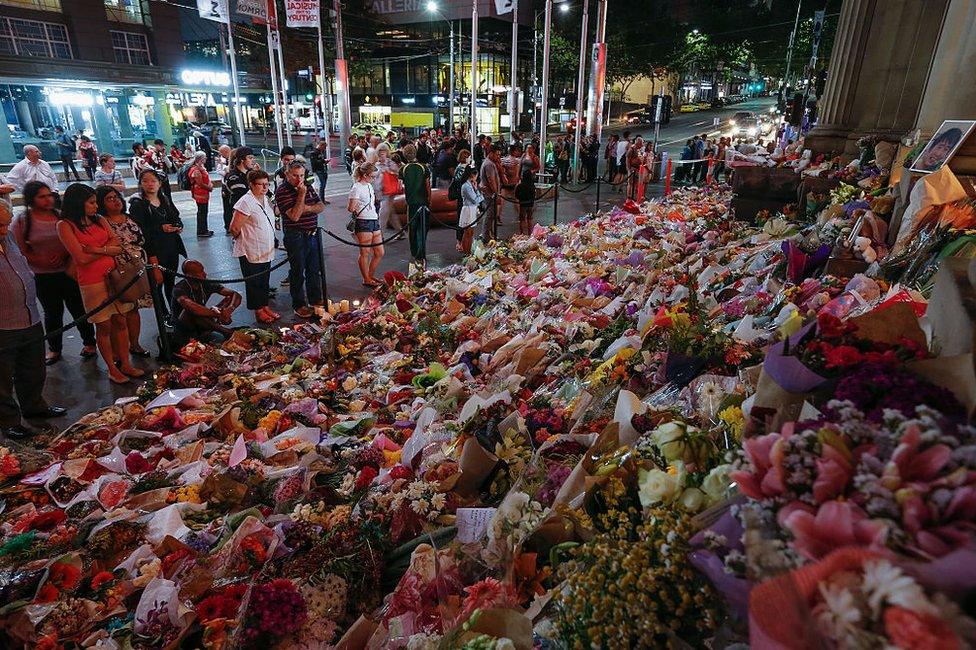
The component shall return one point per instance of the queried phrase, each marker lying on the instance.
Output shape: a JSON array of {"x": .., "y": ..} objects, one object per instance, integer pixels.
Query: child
[{"x": 525, "y": 195}]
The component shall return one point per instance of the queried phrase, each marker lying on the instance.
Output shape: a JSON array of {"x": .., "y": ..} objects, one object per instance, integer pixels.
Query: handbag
[
  {"x": 126, "y": 269},
  {"x": 391, "y": 184}
]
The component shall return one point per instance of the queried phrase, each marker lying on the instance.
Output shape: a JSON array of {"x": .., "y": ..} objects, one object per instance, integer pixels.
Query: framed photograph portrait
[{"x": 943, "y": 145}]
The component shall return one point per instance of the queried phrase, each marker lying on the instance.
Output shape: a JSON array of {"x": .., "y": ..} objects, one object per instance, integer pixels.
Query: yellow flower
[
  {"x": 734, "y": 419},
  {"x": 270, "y": 421},
  {"x": 391, "y": 458}
]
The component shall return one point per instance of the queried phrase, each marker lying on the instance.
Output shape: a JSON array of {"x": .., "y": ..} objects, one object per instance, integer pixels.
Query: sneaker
[
  {"x": 304, "y": 312},
  {"x": 284, "y": 282},
  {"x": 17, "y": 432}
]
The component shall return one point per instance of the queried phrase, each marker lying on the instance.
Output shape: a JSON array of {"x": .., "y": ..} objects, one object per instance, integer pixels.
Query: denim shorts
[{"x": 367, "y": 225}]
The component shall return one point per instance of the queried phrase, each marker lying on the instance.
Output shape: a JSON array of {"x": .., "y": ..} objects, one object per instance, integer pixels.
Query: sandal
[
  {"x": 52, "y": 358},
  {"x": 121, "y": 382},
  {"x": 142, "y": 353},
  {"x": 372, "y": 284},
  {"x": 89, "y": 352}
]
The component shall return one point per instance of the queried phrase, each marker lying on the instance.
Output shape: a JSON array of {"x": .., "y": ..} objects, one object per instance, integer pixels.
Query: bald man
[
  {"x": 192, "y": 318},
  {"x": 32, "y": 168}
]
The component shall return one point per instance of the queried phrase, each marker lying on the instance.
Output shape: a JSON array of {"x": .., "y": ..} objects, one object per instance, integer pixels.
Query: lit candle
[{"x": 344, "y": 306}]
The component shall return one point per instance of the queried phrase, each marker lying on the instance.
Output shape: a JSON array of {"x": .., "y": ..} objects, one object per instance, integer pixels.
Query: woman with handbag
[
  {"x": 111, "y": 205},
  {"x": 36, "y": 232},
  {"x": 254, "y": 243},
  {"x": 471, "y": 201},
  {"x": 93, "y": 247},
  {"x": 160, "y": 223},
  {"x": 362, "y": 206},
  {"x": 388, "y": 180}
]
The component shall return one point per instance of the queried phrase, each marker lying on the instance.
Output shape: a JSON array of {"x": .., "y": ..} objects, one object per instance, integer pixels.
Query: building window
[
  {"x": 131, "y": 48},
  {"x": 126, "y": 11},
  {"x": 43, "y": 5},
  {"x": 34, "y": 38}
]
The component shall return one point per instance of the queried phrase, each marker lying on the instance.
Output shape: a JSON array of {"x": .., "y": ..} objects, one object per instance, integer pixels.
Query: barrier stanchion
[
  {"x": 667, "y": 178},
  {"x": 165, "y": 349},
  {"x": 322, "y": 270},
  {"x": 555, "y": 203},
  {"x": 599, "y": 179}
]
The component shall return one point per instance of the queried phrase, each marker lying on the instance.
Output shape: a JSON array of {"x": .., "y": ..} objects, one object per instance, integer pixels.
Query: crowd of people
[{"x": 63, "y": 248}]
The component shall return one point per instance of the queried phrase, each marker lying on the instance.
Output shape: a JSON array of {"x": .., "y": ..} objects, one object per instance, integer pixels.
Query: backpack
[
  {"x": 183, "y": 176},
  {"x": 454, "y": 189}
]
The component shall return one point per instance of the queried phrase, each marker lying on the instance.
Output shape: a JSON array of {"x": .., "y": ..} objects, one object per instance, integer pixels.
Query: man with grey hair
[{"x": 32, "y": 168}]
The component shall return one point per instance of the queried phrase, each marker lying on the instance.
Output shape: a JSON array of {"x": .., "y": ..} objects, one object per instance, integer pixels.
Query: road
[{"x": 685, "y": 125}]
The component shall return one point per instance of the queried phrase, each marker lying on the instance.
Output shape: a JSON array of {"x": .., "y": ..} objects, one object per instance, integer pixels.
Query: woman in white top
[
  {"x": 386, "y": 165},
  {"x": 362, "y": 205},
  {"x": 254, "y": 243}
]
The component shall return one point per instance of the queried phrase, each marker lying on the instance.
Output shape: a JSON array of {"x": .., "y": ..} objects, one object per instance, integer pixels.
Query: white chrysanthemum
[
  {"x": 415, "y": 490},
  {"x": 838, "y": 614},
  {"x": 438, "y": 501},
  {"x": 420, "y": 506},
  {"x": 884, "y": 583}
]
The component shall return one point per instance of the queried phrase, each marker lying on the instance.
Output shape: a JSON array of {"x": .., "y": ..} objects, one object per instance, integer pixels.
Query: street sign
[
  {"x": 213, "y": 10},
  {"x": 302, "y": 13}
]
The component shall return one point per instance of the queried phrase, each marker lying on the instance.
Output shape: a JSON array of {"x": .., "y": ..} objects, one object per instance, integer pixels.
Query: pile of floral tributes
[{"x": 634, "y": 430}]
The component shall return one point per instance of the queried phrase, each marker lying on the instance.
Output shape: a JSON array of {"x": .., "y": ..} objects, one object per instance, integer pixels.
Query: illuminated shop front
[{"x": 116, "y": 116}]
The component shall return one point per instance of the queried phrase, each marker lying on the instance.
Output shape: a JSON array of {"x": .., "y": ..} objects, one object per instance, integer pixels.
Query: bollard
[
  {"x": 165, "y": 350},
  {"x": 667, "y": 178},
  {"x": 555, "y": 203},
  {"x": 322, "y": 269}
]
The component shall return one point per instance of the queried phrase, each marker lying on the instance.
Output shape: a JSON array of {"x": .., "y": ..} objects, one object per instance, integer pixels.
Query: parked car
[
  {"x": 688, "y": 108},
  {"x": 704, "y": 106}
]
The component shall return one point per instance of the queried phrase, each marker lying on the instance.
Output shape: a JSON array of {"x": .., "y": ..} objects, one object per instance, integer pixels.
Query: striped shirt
[
  {"x": 286, "y": 196},
  {"x": 18, "y": 295}
]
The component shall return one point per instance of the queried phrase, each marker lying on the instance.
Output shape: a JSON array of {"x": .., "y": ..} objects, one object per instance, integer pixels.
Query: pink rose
[{"x": 836, "y": 524}]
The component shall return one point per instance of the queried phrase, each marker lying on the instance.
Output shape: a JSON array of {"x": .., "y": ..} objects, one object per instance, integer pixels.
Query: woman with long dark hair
[
  {"x": 111, "y": 206},
  {"x": 93, "y": 247},
  {"x": 36, "y": 232},
  {"x": 161, "y": 224}
]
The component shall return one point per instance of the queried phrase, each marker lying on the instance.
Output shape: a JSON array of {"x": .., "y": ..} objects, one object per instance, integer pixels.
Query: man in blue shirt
[{"x": 21, "y": 341}]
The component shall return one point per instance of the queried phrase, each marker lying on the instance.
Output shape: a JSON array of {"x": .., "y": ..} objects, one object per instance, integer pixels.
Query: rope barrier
[
  {"x": 538, "y": 198},
  {"x": 276, "y": 265},
  {"x": 398, "y": 235},
  {"x": 64, "y": 328},
  {"x": 581, "y": 189}
]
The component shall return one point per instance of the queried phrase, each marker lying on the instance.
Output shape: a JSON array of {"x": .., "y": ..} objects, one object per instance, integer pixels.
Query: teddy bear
[{"x": 864, "y": 249}]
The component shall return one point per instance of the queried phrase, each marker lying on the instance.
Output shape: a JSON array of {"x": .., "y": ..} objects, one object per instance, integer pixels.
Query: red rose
[
  {"x": 101, "y": 578},
  {"x": 366, "y": 476},
  {"x": 842, "y": 356},
  {"x": 401, "y": 471},
  {"x": 831, "y": 327}
]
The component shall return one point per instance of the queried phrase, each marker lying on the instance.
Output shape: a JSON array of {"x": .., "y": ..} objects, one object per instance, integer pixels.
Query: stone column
[
  {"x": 950, "y": 90},
  {"x": 881, "y": 57}
]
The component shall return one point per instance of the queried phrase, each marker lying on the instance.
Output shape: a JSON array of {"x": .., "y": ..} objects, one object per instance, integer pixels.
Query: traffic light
[{"x": 665, "y": 106}]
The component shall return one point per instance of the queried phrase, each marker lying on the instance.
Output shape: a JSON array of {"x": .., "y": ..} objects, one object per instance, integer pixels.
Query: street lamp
[
  {"x": 432, "y": 8},
  {"x": 564, "y": 7}
]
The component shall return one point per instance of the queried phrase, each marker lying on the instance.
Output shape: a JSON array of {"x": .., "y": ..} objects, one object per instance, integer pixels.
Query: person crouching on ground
[
  {"x": 362, "y": 205},
  {"x": 192, "y": 318}
]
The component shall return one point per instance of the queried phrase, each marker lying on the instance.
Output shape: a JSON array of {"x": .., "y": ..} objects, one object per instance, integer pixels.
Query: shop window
[
  {"x": 131, "y": 48},
  {"x": 34, "y": 38},
  {"x": 43, "y": 5},
  {"x": 126, "y": 11}
]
